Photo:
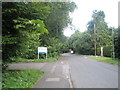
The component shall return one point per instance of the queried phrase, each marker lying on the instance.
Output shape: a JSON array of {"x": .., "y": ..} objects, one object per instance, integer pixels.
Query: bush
[
  {"x": 108, "y": 51},
  {"x": 98, "y": 51}
]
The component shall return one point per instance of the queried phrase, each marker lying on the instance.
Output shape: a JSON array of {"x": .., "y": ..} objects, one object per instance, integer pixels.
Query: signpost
[{"x": 42, "y": 50}]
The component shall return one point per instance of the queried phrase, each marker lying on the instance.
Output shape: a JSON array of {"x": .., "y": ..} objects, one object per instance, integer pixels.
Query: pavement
[
  {"x": 74, "y": 71},
  {"x": 56, "y": 73}
]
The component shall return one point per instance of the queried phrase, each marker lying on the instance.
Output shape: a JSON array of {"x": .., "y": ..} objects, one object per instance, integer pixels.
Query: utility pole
[
  {"x": 95, "y": 39},
  {"x": 113, "y": 53}
]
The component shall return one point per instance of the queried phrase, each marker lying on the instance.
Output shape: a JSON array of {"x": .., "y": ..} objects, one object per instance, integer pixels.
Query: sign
[{"x": 42, "y": 50}]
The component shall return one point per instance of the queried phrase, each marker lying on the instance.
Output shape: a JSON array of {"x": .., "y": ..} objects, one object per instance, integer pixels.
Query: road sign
[{"x": 42, "y": 50}]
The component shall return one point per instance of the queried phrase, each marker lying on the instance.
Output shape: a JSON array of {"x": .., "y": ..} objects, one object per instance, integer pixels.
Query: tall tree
[
  {"x": 98, "y": 27},
  {"x": 81, "y": 43},
  {"x": 117, "y": 42},
  {"x": 29, "y": 25},
  {"x": 18, "y": 33}
]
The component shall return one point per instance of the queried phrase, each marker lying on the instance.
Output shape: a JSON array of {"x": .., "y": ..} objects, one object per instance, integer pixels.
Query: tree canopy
[
  {"x": 27, "y": 26},
  {"x": 97, "y": 32}
]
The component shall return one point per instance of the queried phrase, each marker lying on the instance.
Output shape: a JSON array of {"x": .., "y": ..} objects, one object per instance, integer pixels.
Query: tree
[
  {"x": 17, "y": 29},
  {"x": 117, "y": 42},
  {"x": 59, "y": 18},
  {"x": 101, "y": 33},
  {"x": 29, "y": 25},
  {"x": 81, "y": 43}
]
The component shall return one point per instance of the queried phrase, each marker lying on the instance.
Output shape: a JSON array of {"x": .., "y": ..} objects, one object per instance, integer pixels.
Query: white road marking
[
  {"x": 52, "y": 79},
  {"x": 66, "y": 72},
  {"x": 67, "y": 76},
  {"x": 62, "y": 62},
  {"x": 53, "y": 69},
  {"x": 85, "y": 57}
]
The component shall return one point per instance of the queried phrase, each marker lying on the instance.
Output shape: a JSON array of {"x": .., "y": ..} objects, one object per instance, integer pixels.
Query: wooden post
[
  {"x": 113, "y": 51},
  {"x": 38, "y": 55},
  {"x": 101, "y": 51},
  {"x": 46, "y": 55},
  {"x": 95, "y": 39}
]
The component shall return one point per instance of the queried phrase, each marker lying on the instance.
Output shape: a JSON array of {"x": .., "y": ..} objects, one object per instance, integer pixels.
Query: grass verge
[
  {"x": 105, "y": 59},
  {"x": 83, "y": 55},
  {"x": 51, "y": 59},
  {"x": 16, "y": 78}
]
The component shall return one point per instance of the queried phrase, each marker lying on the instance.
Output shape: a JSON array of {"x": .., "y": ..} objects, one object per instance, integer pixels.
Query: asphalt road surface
[
  {"x": 74, "y": 71},
  {"x": 89, "y": 73}
]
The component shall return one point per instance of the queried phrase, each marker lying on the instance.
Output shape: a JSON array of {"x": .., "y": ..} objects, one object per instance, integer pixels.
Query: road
[
  {"x": 88, "y": 73},
  {"x": 74, "y": 71}
]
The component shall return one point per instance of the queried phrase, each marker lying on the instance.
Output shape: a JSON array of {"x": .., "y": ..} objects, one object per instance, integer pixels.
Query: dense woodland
[
  {"x": 97, "y": 32},
  {"x": 27, "y": 26}
]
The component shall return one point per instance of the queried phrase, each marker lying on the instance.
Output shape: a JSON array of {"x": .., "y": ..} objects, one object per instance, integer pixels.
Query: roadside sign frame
[{"x": 42, "y": 50}]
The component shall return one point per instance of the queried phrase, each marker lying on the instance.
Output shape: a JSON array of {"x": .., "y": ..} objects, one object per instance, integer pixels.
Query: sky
[{"x": 83, "y": 14}]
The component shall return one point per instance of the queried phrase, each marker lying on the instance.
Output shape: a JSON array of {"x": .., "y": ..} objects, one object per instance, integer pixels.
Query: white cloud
[
  {"x": 68, "y": 32},
  {"x": 82, "y": 15}
]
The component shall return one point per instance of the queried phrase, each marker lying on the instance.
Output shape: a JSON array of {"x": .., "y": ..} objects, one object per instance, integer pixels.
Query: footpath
[{"x": 56, "y": 75}]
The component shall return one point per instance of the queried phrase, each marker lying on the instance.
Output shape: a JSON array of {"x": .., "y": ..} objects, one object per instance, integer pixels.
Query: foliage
[
  {"x": 117, "y": 42},
  {"x": 98, "y": 31},
  {"x": 20, "y": 78},
  {"x": 19, "y": 35},
  {"x": 81, "y": 43},
  {"x": 27, "y": 26},
  {"x": 102, "y": 34},
  {"x": 108, "y": 51},
  {"x": 59, "y": 18}
]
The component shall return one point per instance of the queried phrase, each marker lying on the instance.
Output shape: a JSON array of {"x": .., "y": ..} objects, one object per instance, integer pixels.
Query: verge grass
[
  {"x": 51, "y": 59},
  {"x": 20, "y": 78},
  {"x": 106, "y": 59}
]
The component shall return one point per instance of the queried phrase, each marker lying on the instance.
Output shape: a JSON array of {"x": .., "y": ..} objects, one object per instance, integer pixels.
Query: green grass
[
  {"x": 105, "y": 59},
  {"x": 51, "y": 59},
  {"x": 83, "y": 55},
  {"x": 16, "y": 78}
]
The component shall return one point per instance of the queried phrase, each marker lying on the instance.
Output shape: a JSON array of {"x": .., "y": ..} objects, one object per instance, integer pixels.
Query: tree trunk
[{"x": 101, "y": 51}]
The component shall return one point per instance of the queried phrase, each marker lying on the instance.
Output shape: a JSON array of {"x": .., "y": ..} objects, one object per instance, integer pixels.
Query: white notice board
[{"x": 42, "y": 50}]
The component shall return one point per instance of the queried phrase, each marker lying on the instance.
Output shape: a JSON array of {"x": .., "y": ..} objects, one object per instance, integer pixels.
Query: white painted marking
[
  {"x": 66, "y": 72},
  {"x": 85, "y": 57},
  {"x": 62, "y": 62},
  {"x": 52, "y": 79},
  {"x": 53, "y": 69},
  {"x": 67, "y": 76},
  {"x": 70, "y": 82}
]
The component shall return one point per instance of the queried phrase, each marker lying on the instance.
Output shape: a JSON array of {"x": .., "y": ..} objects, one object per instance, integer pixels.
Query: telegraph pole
[
  {"x": 95, "y": 39},
  {"x": 113, "y": 53}
]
